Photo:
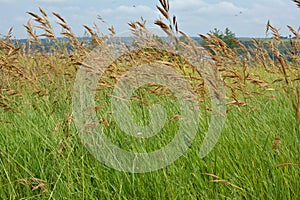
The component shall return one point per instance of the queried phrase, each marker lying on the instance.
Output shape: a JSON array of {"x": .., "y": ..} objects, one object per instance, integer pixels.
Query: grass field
[{"x": 42, "y": 156}]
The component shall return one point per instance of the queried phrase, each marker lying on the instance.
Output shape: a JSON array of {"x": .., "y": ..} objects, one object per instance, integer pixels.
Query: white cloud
[
  {"x": 120, "y": 16},
  {"x": 36, "y": 1},
  {"x": 51, "y": 1},
  {"x": 245, "y": 18},
  {"x": 129, "y": 12},
  {"x": 187, "y": 5}
]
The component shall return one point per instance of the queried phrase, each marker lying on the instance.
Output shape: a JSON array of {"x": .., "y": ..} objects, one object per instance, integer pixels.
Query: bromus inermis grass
[{"x": 41, "y": 154}]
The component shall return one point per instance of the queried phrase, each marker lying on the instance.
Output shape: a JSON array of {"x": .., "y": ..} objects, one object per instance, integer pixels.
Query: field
[{"x": 42, "y": 155}]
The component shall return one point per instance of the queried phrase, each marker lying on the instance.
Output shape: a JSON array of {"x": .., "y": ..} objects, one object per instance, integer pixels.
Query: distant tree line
[{"x": 229, "y": 38}]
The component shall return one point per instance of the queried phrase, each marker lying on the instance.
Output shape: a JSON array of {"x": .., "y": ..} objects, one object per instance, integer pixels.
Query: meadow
[{"x": 42, "y": 156}]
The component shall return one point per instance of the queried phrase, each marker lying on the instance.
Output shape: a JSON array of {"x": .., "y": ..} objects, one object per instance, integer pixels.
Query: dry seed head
[
  {"x": 296, "y": 33},
  {"x": 165, "y": 4},
  {"x": 59, "y": 17},
  {"x": 163, "y": 12},
  {"x": 89, "y": 30},
  {"x": 112, "y": 30},
  {"x": 35, "y": 16},
  {"x": 43, "y": 12},
  {"x": 163, "y": 26},
  {"x": 287, "y": 164},
  {"x": 297, "y": 2},
  {"x": 63, "y": 25},
  {"x": 211, "y": 175},
  {"x": 101, "y": 19}
]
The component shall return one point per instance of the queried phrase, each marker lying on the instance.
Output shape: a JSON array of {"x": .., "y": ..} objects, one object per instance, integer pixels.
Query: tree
[{"x": 228, "y": 37}]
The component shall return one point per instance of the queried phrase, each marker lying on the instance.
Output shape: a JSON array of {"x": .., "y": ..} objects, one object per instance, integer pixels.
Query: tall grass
[{"x": 42, "y": 157}]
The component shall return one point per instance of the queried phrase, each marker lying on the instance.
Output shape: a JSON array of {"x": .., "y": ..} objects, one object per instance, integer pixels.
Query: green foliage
[
  {"x": 227, "y": 36},
  {"x": 40, "y": 146}
]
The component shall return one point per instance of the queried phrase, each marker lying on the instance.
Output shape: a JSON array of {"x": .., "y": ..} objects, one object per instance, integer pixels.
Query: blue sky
[{"x": 246, "y": 18}]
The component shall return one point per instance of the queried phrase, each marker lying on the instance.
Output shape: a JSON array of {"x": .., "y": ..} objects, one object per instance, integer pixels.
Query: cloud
[
  {"x": 129, "y": 12},
  {"x": 120, "y": 16},
  {"x": 199, "y": 16},
  {"x": 36, "y": 1},
  {"x": 245, "y": 18},
  {"x": 51, "y": 1},
  {"x": 187, "y": 5},
  {"x": 7, "y": 1}
]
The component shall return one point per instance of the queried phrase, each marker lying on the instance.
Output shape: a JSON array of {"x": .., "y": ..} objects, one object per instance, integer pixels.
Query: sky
[{"x": 246, "y": 18}]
